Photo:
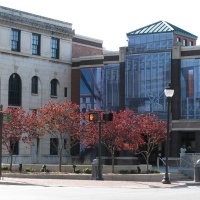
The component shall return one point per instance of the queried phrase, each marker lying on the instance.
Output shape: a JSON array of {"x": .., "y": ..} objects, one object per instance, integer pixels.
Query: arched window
[
  {"x": 14, "y": 95},
  {"x": 54, "y": 83},
  {"x": 34, "y": 85}
]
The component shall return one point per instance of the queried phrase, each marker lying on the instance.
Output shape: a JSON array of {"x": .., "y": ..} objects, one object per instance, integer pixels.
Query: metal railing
[{"x": 188, "y": 160}]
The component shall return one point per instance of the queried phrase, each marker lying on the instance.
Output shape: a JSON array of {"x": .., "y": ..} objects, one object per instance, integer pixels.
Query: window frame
[
  {"x": 55, "y": 45},
  {"x": 184, "y": 42},
  {"x": 15, "y": 40},
  {"x": 191, "y": 43},
  {"x": 65, "y": 92},
  {"x": 36, "y": 44},
  {"x": 14, "y": 90},
  {"x": 34, "y": 85},
  {"x": 54, "y": 88},
  {"x": 54, "y": 142},
  {"x": 15, "y": 147}
]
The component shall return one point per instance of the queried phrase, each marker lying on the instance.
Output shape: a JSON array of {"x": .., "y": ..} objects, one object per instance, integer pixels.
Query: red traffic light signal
[
  {"x": 108, "y": 117},
  {"x": 93, "y": 117}
]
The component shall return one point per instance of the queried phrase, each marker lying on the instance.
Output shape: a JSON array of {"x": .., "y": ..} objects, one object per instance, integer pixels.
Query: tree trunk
[
  {"x": 147, "y": 164},
  {"x": 11, "y": 160},
  {"x": 113, "y": 160},
  {"x": 60, "y": 160}
]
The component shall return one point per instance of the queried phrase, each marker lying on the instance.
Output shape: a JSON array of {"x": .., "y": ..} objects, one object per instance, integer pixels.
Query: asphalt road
[
  {"x": 22, "y": 192},
  {"x": 43, "y": 189}
]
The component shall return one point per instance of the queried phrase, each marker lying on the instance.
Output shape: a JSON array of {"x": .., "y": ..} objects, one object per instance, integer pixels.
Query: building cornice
[{"x": 23, "y": 23}]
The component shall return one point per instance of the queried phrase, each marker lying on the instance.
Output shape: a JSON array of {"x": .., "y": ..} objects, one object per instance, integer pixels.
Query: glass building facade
[
  {"x": 147, "y": 71},
  {"x": 190, "y": 89},
  {"x": 111, "y": 86},
  {"x": 91, "y": 88},
  {"x": 147, "y": 42}
]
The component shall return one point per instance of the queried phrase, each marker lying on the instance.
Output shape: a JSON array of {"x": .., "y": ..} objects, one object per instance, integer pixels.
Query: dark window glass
[
  {"x": 53, "y": 146},
  {"x": 65, "y": 92},
  {"x": 14, "y": 95},
  {"x": 191, "y": 43},
  {"x": 184, "y": 42},
  {"x": 15, "y": 40},
  {"x": 54, "y": 83},
  {"x": 14, "y": 146},
  {"x": 190, "y": 86},
  {"x": 55, "y": 48},
  {"x": 35, "y": 44},
  {"x": 34, "y": 85}
]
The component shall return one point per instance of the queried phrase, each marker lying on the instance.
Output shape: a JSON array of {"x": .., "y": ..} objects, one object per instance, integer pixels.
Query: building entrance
[{"x": 188, "y": 139}]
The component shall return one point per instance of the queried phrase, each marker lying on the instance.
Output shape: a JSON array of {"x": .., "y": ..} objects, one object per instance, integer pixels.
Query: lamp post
[{"x": 169, "y": 91}]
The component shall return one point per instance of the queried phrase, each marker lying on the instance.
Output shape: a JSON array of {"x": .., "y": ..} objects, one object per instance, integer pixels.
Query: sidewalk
[{"x": 93, "y": 183}]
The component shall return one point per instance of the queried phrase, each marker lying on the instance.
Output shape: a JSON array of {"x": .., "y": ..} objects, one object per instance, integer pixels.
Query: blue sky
[{"x": 110, "y": 20}]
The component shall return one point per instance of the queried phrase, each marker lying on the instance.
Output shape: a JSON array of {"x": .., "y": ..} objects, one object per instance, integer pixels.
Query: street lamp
[{"x": 169, "y": 91}]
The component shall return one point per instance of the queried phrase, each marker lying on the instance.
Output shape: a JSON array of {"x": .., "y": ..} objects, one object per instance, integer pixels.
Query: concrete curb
[{"x": 111, "y": 177}]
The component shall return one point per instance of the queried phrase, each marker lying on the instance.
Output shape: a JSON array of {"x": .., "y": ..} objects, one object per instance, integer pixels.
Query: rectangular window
[
  {"x": 53, "y": 146},
  {"x": 54, "y": 48},
  {"x": 184, "y": 42},
  {"x": 191, "y": 43},
  {"x": 35, "y": 44},
  {"x": 84, "y": 100},
  {"x": 34, "y": 85},
  {"x": 15, "y": 40},
  {"x": 65, "y": 95},
  {"x": 54, "y": 83},
  {"x": 14, "y": 146},
  {"x": 190, "y": 83},
  {"x": 178, "y": 39}
]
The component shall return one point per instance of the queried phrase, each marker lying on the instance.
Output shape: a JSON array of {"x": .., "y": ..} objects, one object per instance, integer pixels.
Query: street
[{"x": 35, "y": 192}]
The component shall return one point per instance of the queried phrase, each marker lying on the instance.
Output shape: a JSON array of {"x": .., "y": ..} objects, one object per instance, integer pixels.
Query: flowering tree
[
  {"x": 116, "y": 135},
  {"x": 153, "y": 132},
  {"x": 13, "y": 131},
  {"x": 60, "y": 121}
]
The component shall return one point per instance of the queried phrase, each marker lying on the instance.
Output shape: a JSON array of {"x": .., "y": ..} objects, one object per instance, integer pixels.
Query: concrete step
[{"x": 178, "y": 176}]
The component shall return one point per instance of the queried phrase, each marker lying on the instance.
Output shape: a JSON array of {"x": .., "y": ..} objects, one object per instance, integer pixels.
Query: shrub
[
  {"x": 29, "y": 169},
  {"x": 123, "y": 171},
  {"x": 77, "y": 171},
  {"x": 4, "y": 167},
  {"x": 133, "y": 171},
  {"x": 155, "y": 171},
  {"x": 44, "y": 170},
  {"x": 87, "y": 170}
]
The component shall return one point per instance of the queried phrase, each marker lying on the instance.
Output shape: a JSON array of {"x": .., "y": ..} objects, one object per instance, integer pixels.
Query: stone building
[{"x": 36, "y": 59}]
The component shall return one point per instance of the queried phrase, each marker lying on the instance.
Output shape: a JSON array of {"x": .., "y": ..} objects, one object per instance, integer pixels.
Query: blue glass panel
[{"x": 190, "y": 92}]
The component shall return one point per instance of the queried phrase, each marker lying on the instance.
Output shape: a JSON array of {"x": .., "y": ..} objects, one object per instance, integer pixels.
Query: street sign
[{"x": 7, "y": 117}]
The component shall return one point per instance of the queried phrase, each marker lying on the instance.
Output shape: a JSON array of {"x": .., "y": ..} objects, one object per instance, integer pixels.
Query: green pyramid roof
[{"x": 161, "y": 27}]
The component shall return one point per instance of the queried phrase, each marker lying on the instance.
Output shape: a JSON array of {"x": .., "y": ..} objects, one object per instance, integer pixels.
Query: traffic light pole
[
  {"x": 96, "y": 118},
  {"x": 99, "y": 176}
]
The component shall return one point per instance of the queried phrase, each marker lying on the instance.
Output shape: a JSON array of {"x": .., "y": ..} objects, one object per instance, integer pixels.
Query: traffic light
[
  {"x": 93, "y": 117},
  {"x": 107, "y": 116}
]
